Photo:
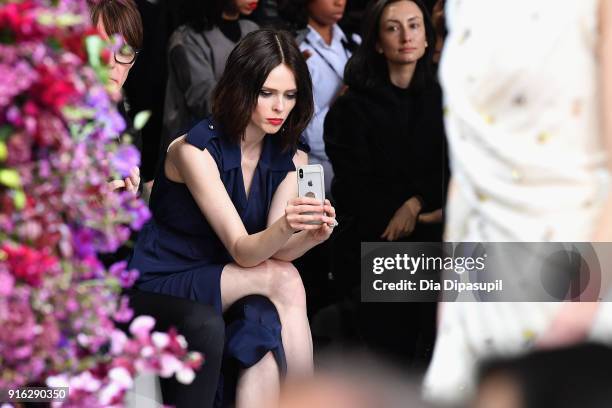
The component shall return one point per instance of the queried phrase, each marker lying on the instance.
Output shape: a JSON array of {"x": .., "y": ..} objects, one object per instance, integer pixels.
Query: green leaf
[
  {"x": 3, "y": 151},
  {"x": 73, "y": 113},
  {"x": 94, "y": 46},
  {"x": 10, "y": 178},
  {"x": 19, "y": 199},
  {"x": 5, "y": 132},
  {"x": 69, "y": 19},
  {"x": 141, "y": 119}
]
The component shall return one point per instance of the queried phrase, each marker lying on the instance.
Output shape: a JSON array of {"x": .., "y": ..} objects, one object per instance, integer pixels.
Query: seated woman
[
  {"x": 385, "y": 140},
  {"x": 227, "y": 221}
]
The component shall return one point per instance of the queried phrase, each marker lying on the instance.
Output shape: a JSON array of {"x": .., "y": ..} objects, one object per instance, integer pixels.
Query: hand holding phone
[{"x": 311, "y": 184}]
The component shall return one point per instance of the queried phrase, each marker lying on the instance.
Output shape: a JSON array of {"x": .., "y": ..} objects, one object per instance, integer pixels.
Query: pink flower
[
  {"x": 19, "y": 148},
  {"x": 125, "y": 277},
  {"x": 118, "y": 341},
  {"x": 124, "y": 313},
  {"x": 121, "y": 377},
  {"x": 57, "y": 301},
  {"x": 160, "y": 340},
  {"x": 7, "y": 282},
  {"x": 125, "y": 159},
  {"x": 169, "y": 365},
  {"x": 185, "y": 375},
  {"x": 110, "y": 394},
  {"x": 85, "y": 381},
  {"x": 28, "y": 264},
  {"x": 142, "y": 326},
  {"x": 53, "y": 89}
]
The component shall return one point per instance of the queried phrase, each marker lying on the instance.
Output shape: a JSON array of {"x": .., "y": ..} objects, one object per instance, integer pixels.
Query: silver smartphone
[{"x": 311, "y": 183}]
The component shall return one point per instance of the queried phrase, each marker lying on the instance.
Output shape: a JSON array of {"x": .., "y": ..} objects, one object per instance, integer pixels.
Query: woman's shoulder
[
  {"x": 246, "y": 26},
  {"x": 205, "y": 135},
  {"x": 187, "y": 37}
]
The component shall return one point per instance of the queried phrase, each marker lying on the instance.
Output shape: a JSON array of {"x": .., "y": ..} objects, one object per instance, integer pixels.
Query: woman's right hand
[{"x": 297, "y": 220}]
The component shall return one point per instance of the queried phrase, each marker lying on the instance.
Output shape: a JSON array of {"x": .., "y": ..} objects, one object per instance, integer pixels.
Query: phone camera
[{"x": 301, "y": 173}]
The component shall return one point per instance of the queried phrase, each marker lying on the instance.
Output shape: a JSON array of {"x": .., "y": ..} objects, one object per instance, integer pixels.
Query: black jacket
[{"x": 386, "y": 145}]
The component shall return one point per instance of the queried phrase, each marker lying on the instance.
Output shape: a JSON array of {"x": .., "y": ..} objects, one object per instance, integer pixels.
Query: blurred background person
[
  {"x": 385, "y": 140},
  {"x": 571, "y": 377},
  {"x": 197, "y": 52},
  {"x": 353, "y": 381},
  {"x": 531, "y": 155}
]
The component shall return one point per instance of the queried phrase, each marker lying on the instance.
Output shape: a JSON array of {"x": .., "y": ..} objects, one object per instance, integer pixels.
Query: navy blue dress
[{"x": 178, "y": 253}]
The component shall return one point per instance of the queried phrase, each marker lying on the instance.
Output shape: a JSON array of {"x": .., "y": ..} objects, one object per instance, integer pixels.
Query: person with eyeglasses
[{"x": 119, "y": 22}]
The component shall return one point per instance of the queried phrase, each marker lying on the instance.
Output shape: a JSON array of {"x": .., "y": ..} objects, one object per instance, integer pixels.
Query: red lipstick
[
  {"x": 274, "y": 121},
  {"x": 252, "y": 6}
]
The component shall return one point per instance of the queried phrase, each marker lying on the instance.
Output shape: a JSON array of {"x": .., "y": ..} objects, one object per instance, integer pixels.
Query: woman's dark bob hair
[
  {"x": 247, "y": 68},
  {"x": 368, "y": 68}
]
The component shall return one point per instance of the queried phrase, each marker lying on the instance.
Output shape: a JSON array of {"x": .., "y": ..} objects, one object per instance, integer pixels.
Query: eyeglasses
[{"x": 125, "y": 55}]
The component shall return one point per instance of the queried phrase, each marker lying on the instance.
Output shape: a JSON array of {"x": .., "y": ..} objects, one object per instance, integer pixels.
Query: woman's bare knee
[
  {"x": 286, "y": 285},
  {"x": 278, "y": 280}
]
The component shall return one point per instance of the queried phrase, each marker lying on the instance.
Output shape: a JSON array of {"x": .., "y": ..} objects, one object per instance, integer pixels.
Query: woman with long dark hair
[
  {"x": 227, "y": 221},
  {"x": 385, "y": 140}
]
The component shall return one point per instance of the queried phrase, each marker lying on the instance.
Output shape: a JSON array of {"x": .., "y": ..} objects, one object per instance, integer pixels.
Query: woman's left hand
[
  {"x": 130, "y": 183},
  {"x": 329, "y": 222},
  {"x": 133, "y": 181}
]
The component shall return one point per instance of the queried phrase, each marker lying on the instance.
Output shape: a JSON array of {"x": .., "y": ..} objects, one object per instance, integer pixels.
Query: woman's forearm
[
  {"x": 251, "y": 250},
  {"x": 295, "y": 247}
]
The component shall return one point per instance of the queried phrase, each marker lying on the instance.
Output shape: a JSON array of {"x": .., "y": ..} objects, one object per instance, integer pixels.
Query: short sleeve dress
[{"x": 179, "y": 254}]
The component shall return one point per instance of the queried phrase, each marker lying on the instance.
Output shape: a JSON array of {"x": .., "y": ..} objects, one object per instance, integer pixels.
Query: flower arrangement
[{"x": 58, "y": 149}]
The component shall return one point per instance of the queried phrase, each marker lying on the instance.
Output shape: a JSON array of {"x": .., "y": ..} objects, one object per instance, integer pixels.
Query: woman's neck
[
  {"x": 252, "y": 141},
  {"x": 401, "y": 75},
  {"x": 326, "y": 31},
  {"x": 230, "y": 16}
]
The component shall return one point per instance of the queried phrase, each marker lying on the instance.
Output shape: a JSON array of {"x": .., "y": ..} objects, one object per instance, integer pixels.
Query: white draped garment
[{"x": 522, "y": 116}]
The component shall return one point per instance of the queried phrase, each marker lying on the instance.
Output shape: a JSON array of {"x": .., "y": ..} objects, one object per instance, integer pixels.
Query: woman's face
[
  {"x": 245, "y": 7},
  {"x": 402, "y": 37},
  {"x": 326, "y": 12},
  {"x": 118, "y": 72},
  {"x": 277, "y": 98}
]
